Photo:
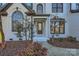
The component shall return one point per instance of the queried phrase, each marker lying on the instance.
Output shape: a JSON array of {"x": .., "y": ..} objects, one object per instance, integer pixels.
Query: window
[
  {"x": 17, "y": 18},
  {"x": 77, "y": 5},
  {"x": 40, "y": 8},
  {"x": 57, "y": 7},
  {"x": 57, "y": 27}
]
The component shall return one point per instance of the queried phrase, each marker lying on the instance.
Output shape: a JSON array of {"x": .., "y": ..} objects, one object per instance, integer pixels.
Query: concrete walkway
[{"x": 57, "y": 51}]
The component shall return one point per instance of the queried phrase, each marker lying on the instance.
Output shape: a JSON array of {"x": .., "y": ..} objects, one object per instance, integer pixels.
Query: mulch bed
[
  {"x": 14, "y": 47},
  {"x": 65, "y": 44}
]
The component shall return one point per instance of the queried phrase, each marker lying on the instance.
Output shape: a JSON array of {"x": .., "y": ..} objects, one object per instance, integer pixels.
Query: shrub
[
  {"x": 26, "y": 52},
  {"x": 71, "y": 39},
  {"x": 58, "y": 39},
  {"x": 61, "y": 39},
  {"x": 37, "y": 46},
  {"x": 55, "y": 39},
  {"x": 33, "y": 49},
  {"x": 50, "y": 39}
]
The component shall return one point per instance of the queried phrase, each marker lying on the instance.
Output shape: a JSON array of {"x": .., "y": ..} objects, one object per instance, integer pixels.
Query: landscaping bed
[
  {"x": 69, "y": 42},
  {"x": 23, "y": 48}
]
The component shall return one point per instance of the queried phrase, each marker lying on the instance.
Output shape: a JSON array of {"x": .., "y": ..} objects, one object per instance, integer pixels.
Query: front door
[{"x": 40, "y": 26}]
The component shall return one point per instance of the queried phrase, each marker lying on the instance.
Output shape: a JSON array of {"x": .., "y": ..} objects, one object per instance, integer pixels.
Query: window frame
[
  {"x": 57, "y": 7},
  {"x": 77, "y": 5},
  {"x": 59, "y": 26},
  {"x": 41, "y": 8},
  {"x": 13, "y": 28}
]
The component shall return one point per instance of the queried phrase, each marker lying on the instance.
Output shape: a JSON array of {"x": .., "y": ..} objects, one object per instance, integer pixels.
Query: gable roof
[
  {"x": 5, "y": 7},
  {"x": 9, "y": 4}
]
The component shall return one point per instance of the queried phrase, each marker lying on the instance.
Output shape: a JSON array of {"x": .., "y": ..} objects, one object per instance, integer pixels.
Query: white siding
[
  {"x": 7, "y": 21},
  {"x": 71, "y": 25}
]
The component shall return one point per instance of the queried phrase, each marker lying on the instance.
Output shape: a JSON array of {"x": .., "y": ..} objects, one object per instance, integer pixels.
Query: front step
[{"x": 40, "y": 38}]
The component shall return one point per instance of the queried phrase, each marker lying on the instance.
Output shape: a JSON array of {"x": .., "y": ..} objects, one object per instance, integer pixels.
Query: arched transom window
[
  {"x": 40, "y": 8},
  {"x": 17, "y": 18}
]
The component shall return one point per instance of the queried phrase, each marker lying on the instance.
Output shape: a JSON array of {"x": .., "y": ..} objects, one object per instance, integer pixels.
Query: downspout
[{"x": 31, "y": 28}]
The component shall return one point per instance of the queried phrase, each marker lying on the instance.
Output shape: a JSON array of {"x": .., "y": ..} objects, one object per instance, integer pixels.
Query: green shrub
[
  {"x": 51, "y": 39},
  {"x": 61, "y": 39},
  {"x": 71, "y": 39},
  {"x": 58, "y": 39}
]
